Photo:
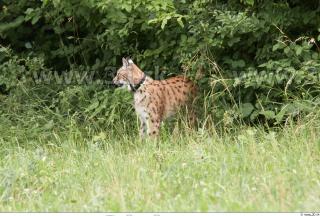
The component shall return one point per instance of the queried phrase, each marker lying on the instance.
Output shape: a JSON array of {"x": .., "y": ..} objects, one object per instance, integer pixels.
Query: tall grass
[{"x": 52, "y": 162}]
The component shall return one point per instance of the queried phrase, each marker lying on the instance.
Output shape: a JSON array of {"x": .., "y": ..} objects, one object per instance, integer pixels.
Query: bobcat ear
[
  {"x": 130, "y": 61},
  {"x": 125, "y": 62}
]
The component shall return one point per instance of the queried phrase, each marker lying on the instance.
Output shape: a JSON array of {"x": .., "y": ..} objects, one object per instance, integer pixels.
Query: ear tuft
[
  {"x": 130, "y": 61},
  {"x": 125, "y": 62}
]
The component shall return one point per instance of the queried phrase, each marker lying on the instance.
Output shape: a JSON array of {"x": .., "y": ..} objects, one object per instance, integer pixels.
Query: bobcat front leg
[
  {"x": 154, "y": 126},
  {"x": 143, "y": 127}
]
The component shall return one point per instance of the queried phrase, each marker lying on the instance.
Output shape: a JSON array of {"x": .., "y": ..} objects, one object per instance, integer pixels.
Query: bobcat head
[{"x": 128, "y": 75}]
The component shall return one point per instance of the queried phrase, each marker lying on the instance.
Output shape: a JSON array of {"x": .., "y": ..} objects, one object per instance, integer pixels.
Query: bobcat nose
[
  {"x": 113, "y": 83},
  {"x": 116, "y": 83}
]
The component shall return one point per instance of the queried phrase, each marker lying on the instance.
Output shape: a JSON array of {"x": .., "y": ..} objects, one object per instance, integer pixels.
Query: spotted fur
[{"x": 154, "y": 100}]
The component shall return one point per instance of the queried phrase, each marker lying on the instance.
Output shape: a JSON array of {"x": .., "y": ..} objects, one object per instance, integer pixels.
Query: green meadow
[{"x": 80, "y": 168}]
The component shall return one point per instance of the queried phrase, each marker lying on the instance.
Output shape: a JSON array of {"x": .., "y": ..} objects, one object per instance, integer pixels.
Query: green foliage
[
  {"x": 78, "y": 167},
  {"x": 291, "y": 76},
  {"x": 255, "y": 57}
]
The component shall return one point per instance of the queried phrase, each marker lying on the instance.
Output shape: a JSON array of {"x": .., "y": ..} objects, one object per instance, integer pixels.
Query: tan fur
[{"x": 155, "y": 100}]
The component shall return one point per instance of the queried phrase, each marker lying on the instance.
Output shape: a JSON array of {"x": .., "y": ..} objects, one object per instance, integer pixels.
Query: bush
[{"x": 259, "y": 60}]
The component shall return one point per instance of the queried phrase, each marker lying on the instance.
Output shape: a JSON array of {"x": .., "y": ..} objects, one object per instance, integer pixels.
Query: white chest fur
[{"x": 139, "y": 105}]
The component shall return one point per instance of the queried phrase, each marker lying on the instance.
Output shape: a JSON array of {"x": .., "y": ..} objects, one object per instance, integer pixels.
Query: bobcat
[{"x": 154, "y": 100}]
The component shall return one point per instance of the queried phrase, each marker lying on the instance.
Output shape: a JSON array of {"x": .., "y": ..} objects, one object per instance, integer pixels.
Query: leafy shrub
[{"x": 258, "y": 60}]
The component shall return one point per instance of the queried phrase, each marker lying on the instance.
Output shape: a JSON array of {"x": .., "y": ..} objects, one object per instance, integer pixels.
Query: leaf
[
  {"x": 246, "y": 109},
  {"x": 238, "y": 64},
  {"x": 4, "y": 49},
  {"x": 35, "y": 19},
  {"x": 183, "y": 38},
  {"x": 286, "y": 50},
  {"x": 28, "y": 45},
  {"x": 254, "y": 115},
  {"x": 126, "y": 6},
  {"x": 164, "y": 22},
  {"x": 275, "y": 47},
  {"x": 250, "y": 2},
  {"x": 179, "y": 20},
  {"x": 6, "y": 26},
  {"x": 298, "y": 50},
  {"x": 100, "y": 136},
  {"x": 92, "y": 106},
  {"x": 29, "y": 11},
  {"x": 49, "y": 125},
  {"x": 278, "y": 46},
  {"x": 233, "y": 40},
  {"x": 315, "y": 56},
  {"x": 268, "y": 114}
]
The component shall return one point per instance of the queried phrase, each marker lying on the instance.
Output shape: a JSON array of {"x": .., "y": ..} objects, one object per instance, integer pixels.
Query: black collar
[{"x": 134, "y": 88}]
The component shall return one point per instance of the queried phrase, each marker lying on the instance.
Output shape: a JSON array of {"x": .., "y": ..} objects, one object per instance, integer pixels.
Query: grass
[{"x": 81, "y": 168}]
